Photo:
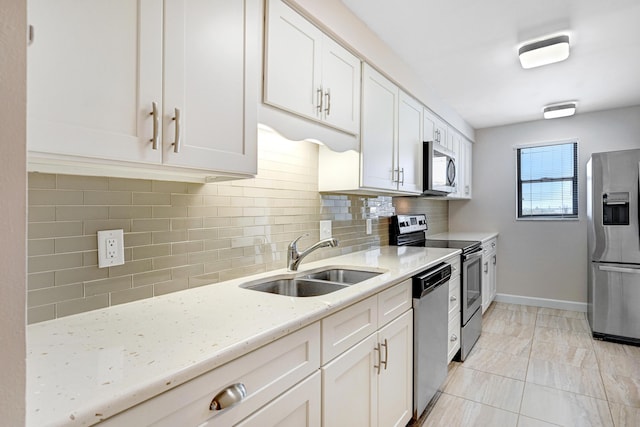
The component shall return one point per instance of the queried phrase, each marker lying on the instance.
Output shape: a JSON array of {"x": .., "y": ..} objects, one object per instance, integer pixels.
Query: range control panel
[{"x": 411, "y": 223}]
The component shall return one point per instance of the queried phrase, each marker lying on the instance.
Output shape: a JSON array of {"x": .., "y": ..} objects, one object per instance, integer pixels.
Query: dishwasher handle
[{"x": 427, "y": 281}]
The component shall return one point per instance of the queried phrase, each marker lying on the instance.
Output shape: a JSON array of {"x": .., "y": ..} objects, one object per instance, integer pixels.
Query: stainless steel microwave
[{"x": 439, "y": 170}]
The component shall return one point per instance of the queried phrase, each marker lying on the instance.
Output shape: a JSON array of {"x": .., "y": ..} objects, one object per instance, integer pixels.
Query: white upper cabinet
[
  {"x": 391, "y": 136},
  {"x": 94, "y": 72},
  {"x": 379, "y": 131},
  {"x": 207, "y": 82},
  {"x": 434, "y": 129},
  {"x": 309, "y": 74},
  {"x": 409, "y": 144},
  {"x": 113, "y": 85}
]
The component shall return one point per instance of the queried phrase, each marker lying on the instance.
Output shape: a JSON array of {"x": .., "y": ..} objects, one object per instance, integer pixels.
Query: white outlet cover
[
  {"x": 110, "y": 248},
  {"x": 325, "y": 229}
]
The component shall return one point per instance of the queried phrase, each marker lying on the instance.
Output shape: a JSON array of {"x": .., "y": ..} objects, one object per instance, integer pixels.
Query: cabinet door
[
  {"x": 486, "y": 281},
  {"x": 211, "y": 65},
  {"x": 410, "y": 144},
  {"x": 379, "y": 130},
  {"x": 292, "y": 61},
  {"x": 349, "y": 387},
  {"x": 341, "y": 87},
  {"x": 468, "y": 162},
  {"x": 95, "y": 68},
  {"x": 395, "y": 385},
  {"x": 298, "y": 407}
]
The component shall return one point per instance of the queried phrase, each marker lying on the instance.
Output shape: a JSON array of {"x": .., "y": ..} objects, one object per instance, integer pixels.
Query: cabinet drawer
[
  {"x": 393, "y": 302},
  {"x": 453, "y": 336},
  {"x": 347, "y": 327},
  {"x": 454, "y": 295},
  {"x": 265, "y": 372},
  {"x": 490, "y": 246}
]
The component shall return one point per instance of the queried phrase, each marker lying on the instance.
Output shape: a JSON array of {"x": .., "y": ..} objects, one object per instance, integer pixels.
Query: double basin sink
[{"x": 312, "y": 284}]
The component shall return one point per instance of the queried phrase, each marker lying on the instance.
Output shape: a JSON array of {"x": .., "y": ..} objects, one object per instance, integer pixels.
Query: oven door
[{"x": 471, "y": 284}]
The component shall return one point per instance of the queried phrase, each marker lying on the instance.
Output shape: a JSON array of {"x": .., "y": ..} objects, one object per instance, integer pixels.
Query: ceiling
[{"x": 466, "y": 52}]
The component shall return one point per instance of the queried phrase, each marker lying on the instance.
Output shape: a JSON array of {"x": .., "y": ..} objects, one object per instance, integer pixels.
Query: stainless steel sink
[
  {"x": 297, "y": 287},
  {"x": 341, "y": 275},
  {"x": 312, "y": 284}
]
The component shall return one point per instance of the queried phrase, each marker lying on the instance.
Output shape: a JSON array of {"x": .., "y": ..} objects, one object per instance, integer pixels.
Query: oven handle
[{"x": 472, "y": 255}]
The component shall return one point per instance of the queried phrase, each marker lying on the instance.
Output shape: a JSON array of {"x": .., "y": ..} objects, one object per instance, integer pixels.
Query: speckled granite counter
[
  {"x": 481, "y": 236},
  {"x": 90, "y": 366}
]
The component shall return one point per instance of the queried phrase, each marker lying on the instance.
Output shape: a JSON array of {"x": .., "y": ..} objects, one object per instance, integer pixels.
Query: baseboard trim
[{"x": 542, "y": 302}]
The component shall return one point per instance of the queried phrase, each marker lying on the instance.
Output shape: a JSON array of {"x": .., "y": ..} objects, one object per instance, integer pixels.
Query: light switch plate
[
  {"x": 325, "y": 229},
  {"x": 110, "y": 248}
]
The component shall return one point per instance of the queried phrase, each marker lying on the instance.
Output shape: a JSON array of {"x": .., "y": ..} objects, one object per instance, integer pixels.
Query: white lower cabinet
[
  {"x": 371, "y": 383},
  {"x": 266, "y": 373},
  {"x": 489, "y": 272},
  {"x": 365, "y": 377},
  {"x": 453, "y": 344},
  {"x": 299, "y": 407}
]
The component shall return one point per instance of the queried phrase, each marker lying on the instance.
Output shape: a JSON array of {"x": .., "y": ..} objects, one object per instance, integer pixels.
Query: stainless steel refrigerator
[{"x": 613, "y": 182}]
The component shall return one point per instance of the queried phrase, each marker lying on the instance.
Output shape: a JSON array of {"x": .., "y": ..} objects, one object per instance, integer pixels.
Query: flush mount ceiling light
[
  {"x": 543, "y": 52},
  {"x": 559, "y": 110}
]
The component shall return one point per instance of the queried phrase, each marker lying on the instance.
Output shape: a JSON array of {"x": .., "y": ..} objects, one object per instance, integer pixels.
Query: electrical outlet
[
  {"x": 325, "y": 229},
  {"x": 369, "y": 226},
  {"x": 110, "y": 248}
]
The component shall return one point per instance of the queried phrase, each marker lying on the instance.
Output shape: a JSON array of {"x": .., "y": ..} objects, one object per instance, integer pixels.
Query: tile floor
[{"x": 535, "y": 367}]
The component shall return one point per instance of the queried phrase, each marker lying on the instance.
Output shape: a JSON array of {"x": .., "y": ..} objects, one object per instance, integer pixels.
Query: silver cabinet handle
[
  {"x": 176, "y": 144},
  {"x": 401, "y": 180},
  {"x": 619, "y": 269},
  {"x": 453, "y": 338},
  {"x": 486, "y": 267},
  {"x": 453, "y": 299},
  {"x": 386, "y": 354},
  {"x": 319, "y": 96},
  {"x": 228, "y": 397},
  {"x": 156, "y": 124},
  {"x": 30, "y": 35},
  {"x": 379, "y": 365},
  {"x": 327, "y": 95},
  {"x": 495, "y": 259}
]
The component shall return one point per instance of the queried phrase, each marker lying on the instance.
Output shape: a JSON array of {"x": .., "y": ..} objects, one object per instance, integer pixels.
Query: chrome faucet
[{"x": 294, "y": 258}]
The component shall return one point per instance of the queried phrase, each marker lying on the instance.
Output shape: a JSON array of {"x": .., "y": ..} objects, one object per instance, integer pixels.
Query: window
[{"x": 548, "y": 181}]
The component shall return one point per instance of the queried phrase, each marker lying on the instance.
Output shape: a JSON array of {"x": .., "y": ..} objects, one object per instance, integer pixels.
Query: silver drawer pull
[
  {"x": 156, "y": 124},
  {"x": 453, "y": 338},
  {"x": 176, "y": 118},
  {"x": 453, "y": 299},
  {"x": 228, "y": 397}
]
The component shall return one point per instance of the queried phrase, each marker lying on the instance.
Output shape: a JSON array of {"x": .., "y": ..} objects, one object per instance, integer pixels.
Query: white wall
[
  {"x": 538, "y": 259},
  {"x": 12, "y": 211}
]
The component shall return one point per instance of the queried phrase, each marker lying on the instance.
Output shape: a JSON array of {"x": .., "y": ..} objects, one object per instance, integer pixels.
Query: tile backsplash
[{"x": 182, "y": 235}]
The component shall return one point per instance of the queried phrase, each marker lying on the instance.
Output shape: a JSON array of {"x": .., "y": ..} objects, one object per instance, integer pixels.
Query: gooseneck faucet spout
[{"x": 294, "y": 257}]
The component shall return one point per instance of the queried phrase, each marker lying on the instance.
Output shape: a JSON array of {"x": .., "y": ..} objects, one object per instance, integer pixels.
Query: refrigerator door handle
[{"x": 619, "y": 269}]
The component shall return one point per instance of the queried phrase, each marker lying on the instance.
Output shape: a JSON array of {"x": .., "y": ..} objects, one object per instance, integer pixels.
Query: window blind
[{"x": 548, "y": 181}]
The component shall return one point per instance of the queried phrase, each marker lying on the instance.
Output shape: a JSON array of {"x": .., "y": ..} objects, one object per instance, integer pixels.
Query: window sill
[{"x": 554, "y": 218}]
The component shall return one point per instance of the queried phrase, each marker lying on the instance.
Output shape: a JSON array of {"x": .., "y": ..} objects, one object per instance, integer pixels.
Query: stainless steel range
[{"x": 409, "y": 230}]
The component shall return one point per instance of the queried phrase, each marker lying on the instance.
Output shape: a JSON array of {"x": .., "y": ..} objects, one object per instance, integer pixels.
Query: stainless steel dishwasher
[{"x": 430, "y": 327}]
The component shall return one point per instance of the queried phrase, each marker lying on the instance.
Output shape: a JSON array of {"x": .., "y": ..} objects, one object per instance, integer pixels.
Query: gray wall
[{"x": 541, "y": 259}]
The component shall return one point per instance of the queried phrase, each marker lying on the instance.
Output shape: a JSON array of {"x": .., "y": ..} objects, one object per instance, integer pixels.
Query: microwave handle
[{"x": 451, "y": 172}]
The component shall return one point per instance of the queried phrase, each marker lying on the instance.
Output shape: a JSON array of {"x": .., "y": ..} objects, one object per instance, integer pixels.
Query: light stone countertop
[
  {"x": 481, "y": 236},
  {"x": 87, "y": 367}
]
